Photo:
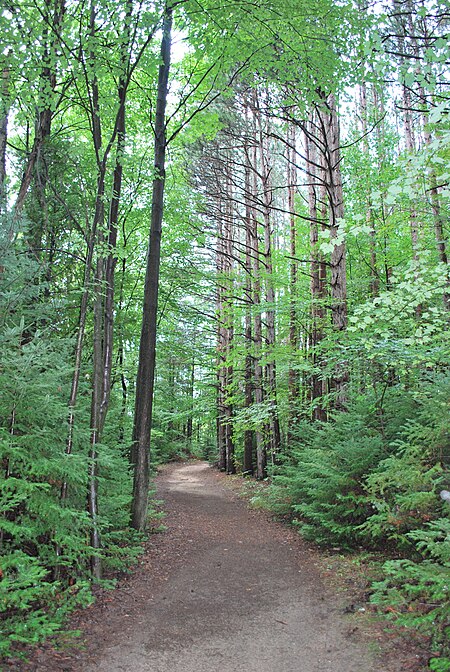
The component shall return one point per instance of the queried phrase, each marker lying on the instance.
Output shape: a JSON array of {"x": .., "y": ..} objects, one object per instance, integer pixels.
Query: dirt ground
[{"x": 224, "y": 589}]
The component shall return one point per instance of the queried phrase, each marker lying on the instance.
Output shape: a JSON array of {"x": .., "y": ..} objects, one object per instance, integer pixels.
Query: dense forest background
[{"x": 298, "y": 297}]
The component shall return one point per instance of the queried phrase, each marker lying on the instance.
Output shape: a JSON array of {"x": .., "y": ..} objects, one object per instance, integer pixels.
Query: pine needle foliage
[{"x": 321, "y": 482}]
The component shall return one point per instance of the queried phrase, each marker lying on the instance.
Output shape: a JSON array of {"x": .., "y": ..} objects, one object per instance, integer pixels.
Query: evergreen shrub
[
  {"x": 321, "y": 482},
  {"x": 45, "y": 538}
]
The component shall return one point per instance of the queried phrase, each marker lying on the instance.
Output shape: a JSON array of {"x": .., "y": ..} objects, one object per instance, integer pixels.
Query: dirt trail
[
  {"x": 225, "y": 589},
  {"x": 240, "y": 594}
]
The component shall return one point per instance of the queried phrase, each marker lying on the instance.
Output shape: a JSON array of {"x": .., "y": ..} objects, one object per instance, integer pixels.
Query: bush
[
  {"x": 321, "y": 482},
  {"x": 417, "y": 592}
]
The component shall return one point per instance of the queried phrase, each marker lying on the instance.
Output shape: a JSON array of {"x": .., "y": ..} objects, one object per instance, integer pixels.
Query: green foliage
[
  {"x": 417, "y": 592},
  {"x": 321, "y": 482},
  {"x": 32, "y": 606},
  {"x": 44, "y": 539},
  {"x": 403, "y": 489}
]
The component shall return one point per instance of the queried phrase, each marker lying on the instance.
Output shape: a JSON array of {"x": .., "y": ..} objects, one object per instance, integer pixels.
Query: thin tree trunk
[
  {"x": 99, "y": 215},
  {"x": 293, "y": 320},
  {"x": 95, "y": 421},
  {"x": 111, "y": 260},
  {"x": 248, "y": 465},
  {"x": 316, "y": 282},
  {"x": 438, "y": 217},
  {"x": 274, "y": 438},
  {"x": 147, "y": 348},
  {"x": 4, "y": 113},
  {"x": 221, "y": 343},
  {"x": 190, "y": 419},
  {"x": 48, "y": 85},
  {"x": 228, "y": 319},
  {"x": 338, "y": 275},
  {"x": 261, "y": 452}
]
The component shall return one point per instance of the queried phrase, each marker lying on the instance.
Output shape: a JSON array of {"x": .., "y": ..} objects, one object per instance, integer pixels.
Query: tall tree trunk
[
  {"x": 113, "y": 216},
  {"x": 274, "y": 437},
  {"x": 293, "y": 272},
  {"x": 190, "y": 394},
  {"x": 95, "y": 421},
  {"x": 99, "y": 215},
  {"x": 221, "y": 344},
  {"x": 228, "y": 316},
  {"x": 317, "y": 282},
  {"x": 140, "y": 452},
  {"x": 4, "y": 113},
  {"x": 338, "y": 273},
  {"x": 380, "y": 131},
  {"x": 438, "y": 216},
  {"x": 402, "y": 26},
  {"x": 261, "y": 452},
  {"x": 248, "y": 464}
]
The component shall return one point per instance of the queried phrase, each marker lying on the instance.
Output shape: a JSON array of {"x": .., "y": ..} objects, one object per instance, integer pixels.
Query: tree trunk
[
  {"x": 110, "y": 263},
  {"x": 261, "y": 452},
  {"x": 221, "y": 344},
  {"x": 274, "y": 437},
  {"x": 338, "y": 274},
  {"x": 228, "y": 283},
  {"x": 248, "y": 465},
  {"x": 47, "y": 90},
  {"x": 4, "y": 113},
  {"x": 140, "y": 452},
  {"x": 190, "y": 419},
  {"x": 95, "y": 421},
  {"x": 317, "y": 283},
  {"x": 293, "y": 320},
  {"x": 438, "y": 217}
]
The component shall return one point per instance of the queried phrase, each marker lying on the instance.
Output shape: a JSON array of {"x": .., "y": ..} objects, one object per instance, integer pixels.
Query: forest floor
[{"x": 226, "y": 589}]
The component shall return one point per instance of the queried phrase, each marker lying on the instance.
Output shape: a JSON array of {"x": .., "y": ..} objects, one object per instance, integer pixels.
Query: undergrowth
[{"x": 351, "y": 484}]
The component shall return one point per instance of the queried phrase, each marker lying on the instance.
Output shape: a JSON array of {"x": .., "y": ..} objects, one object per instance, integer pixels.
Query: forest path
[
  {"x": 224, "y": 589},
  {"x": 227, "y": 590}
]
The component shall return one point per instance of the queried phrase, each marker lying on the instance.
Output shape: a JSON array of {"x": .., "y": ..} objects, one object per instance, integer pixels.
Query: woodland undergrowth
[
  {"x": 364, "y": 488},
  {"x": 45, "y": 568}
]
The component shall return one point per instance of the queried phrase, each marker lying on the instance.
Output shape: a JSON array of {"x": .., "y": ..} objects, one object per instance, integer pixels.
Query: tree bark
[
  {"x": 273, "y": 429},
  {"x": 374, "y": 276},
  {"x": 140, "y": 452},
  {"x": 113, "y": 216},
  {"x": 48, "y": 79},
  {"x": 338, "y": 273},
  {"x": 221, "y": 344},
  {"x": 4, "y": 113},
  {"x": 248, "y": 464},
  {"x": 261, "y": 452},
  {"x": 293, "y": 272},
  {"x": 317, "y": 282}
]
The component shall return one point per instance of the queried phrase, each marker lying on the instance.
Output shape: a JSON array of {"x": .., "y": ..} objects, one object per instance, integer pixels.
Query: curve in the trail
[{"x": 244, "y": 596}]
